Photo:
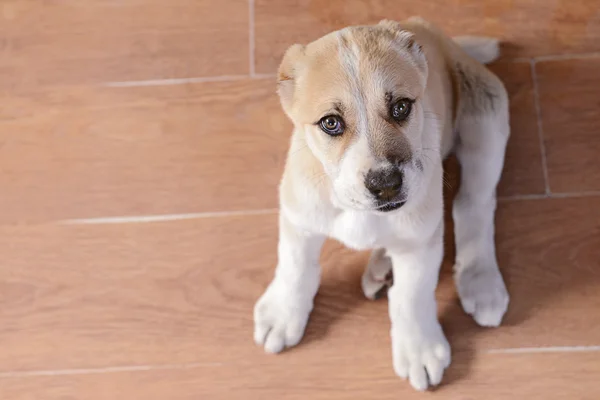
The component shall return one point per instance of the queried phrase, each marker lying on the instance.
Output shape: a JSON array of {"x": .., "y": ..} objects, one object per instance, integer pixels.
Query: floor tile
[
  {"x": 558, "y": 27},
  {"x": 523, "y": 173},
  {"x": 183, "y": 291},
  {"x": 495, "y": 377},
  {"x": 100, "y": 152},
  {"x": 114, "y": 295},
  {"x": 163, "y": 310},
  {"x": 570, "y": 108},
  {"x": 69, "y": 42},
  {"x": 548, "y": 251}
]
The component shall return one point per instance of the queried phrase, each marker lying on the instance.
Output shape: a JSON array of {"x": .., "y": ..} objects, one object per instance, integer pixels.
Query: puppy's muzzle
[{"x": 386, "y": 186}]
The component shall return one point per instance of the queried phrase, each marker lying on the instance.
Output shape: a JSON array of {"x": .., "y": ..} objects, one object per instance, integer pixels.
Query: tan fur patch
[
  {"x": 355, "y": 69},
  {"x": 357, "y": 73}
]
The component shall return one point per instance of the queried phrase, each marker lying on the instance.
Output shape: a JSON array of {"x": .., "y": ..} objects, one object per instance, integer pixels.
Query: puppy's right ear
[{"x": 286, "y": 77}]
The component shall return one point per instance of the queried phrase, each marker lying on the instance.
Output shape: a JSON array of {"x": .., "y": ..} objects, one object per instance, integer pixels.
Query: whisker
[{"x": 446, "y": 182}]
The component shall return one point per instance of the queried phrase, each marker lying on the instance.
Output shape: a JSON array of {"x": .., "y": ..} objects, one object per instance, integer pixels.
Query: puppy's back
[{"x": 475, "y": 88}]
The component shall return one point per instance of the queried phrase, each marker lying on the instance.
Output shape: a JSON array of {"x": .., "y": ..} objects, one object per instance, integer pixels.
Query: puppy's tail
[{"x": 483, "y": 49}]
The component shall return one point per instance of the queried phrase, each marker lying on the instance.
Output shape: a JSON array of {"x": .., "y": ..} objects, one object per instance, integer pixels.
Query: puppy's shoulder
[{"x": 476, "y": 89}]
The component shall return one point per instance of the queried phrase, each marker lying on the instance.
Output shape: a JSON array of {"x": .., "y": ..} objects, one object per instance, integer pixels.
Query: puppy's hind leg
[
  {"x": 378, "y": 274},
  {"x": 483, "y": 133}
]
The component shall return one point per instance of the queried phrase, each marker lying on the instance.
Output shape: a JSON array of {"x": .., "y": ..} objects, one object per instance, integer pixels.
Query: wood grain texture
[
  {"x": 495, "y": 377},
  {"x": 569, "y": 102},
  {"x": 144, "y": 150},
  {"x": 74, "y": 42},
  {"x": 98, "y": 296},
  {"x": 163, "y": 310},
  {"x": 529, "y": 27}
]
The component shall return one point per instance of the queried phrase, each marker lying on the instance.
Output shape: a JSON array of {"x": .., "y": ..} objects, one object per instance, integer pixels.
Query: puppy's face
[{"x": 357, "y": 96}]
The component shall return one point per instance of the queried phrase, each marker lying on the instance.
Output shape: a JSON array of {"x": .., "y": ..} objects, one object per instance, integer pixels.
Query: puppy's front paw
[
  {"x": 279, "y": 319},
  {"x": 483, "y": 294},
  {"x": 420, "y": 357}
]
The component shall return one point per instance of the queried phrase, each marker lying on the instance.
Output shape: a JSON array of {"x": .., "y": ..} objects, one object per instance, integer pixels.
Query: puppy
[{"x": 375, "y": 111}]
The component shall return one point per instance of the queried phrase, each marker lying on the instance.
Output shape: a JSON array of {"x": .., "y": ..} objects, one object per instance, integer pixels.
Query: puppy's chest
[{"x": 362, "y": 231}]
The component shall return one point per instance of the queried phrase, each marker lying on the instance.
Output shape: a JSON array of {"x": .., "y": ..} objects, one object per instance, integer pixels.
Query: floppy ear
[
  {"x": 406, "y": 40},
  {"x": 286, "y": 77}
]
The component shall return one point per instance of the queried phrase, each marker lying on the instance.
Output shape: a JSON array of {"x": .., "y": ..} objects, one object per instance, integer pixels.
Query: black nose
[{"x": 384, "y": 184}]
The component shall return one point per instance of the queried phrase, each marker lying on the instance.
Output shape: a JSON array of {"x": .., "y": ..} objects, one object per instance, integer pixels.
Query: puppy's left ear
[
  {"x": 407, "y": 41},
  {"x": 287, "y": 74}
]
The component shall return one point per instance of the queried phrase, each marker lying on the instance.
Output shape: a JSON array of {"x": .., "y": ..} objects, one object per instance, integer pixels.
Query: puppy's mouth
[{"x": 391, "y": 206}]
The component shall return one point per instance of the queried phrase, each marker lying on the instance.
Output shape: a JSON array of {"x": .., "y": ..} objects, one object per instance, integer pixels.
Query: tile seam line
[
  {"x": 183, "y": 81},
  {"x": 104, "y": 370},
  {"x": 545, "y": 350},
  {"x": 122, "y": 219},
  {"x": 572, "y": 56},
  {"x": 164, "y": 217},
  {"x": 556, "y": 195},
  {"x": 540, "y": 127},
  {"x": 251, "y": 38},
  {"x": 165, "y": 367},
  {"x": 254, "y": 75}
]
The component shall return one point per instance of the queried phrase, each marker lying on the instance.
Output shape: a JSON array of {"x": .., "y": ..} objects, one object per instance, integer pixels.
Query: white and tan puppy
[{"x": 375, "y": 110}]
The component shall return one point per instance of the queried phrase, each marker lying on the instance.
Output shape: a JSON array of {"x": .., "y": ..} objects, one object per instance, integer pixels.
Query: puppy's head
[{"x": 356, "y": 94}]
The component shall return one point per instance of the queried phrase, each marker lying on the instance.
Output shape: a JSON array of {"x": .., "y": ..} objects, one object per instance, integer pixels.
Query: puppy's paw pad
[
  {"x": 483, "y": 295},
  {"x": 279, "y": 322},
  {"x": 421, "y": 359}
]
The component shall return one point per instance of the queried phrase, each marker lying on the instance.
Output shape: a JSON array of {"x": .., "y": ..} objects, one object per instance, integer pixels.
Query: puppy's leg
[
  {"x": 480, "y": 151},
  {"x": 281, "y": 314},
  {"x": 377, "y": 275},
  {"x": 420, "y": 350}
]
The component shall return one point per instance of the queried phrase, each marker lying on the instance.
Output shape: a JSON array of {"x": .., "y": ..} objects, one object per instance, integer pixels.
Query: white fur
[
  {"x": 481, "y": 155},
  {"x": 420, "y": 351},
  {"x": 349, "y": 191},
  {"x": 280, "y": 315},
  {"x": 483, "y": 49},
  {"x": 413, "y": 239}
]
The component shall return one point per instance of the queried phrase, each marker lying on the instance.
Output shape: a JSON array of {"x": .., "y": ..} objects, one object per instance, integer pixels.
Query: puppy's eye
[
  {"x": 401, "y": 109},
  {"x": 332, "y": 125}
]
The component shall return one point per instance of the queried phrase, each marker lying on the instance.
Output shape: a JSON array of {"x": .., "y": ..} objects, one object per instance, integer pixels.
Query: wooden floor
[{"x": 141, "y": 143}]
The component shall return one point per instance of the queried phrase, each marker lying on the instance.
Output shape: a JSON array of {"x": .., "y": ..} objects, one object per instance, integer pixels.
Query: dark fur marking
[
  {"x": 390, "y": 99},
  {"x": 339, "y": 108},
  {"x": 419, "y": 165},
  {"x": 477, "y": 94}
]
